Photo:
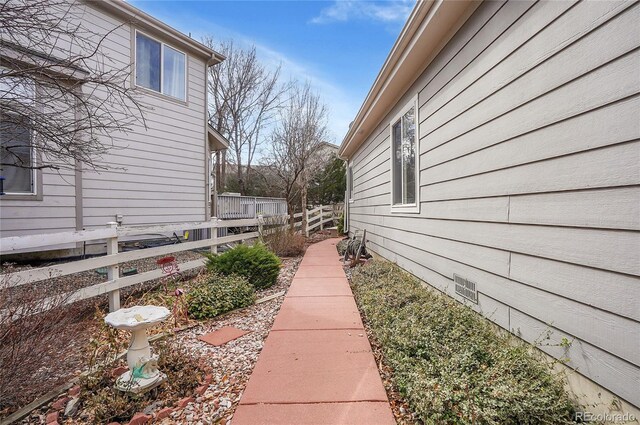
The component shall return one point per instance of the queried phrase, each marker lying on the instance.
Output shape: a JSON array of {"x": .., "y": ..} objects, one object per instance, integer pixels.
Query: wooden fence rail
[{"x": 112, "y": 235}]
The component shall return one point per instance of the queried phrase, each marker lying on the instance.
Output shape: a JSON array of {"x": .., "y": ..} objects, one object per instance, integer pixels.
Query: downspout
[{"x": 207, "y": 151}]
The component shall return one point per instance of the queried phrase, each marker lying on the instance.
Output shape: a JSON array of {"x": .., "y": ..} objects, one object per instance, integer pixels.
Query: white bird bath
[{"x": 143, "y": 373}]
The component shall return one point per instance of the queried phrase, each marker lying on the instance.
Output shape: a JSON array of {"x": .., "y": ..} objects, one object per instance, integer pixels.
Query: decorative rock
[
  {"x": 152, "y": 407},
  {"x": 208, "y": 378},
  {"x": 74, "y": 391},
  {"x": 52, "y": 417},
  {"x": 164, "y": 413},
  {"x": 225, "y": 403},
  {"x": 184, "y": 402},
  {"x": 60, "y": 403},
  {"x": 118, "y": 371},
  {"x": 72, "y": 407},
  {"x": 139, "y": 419},
  {"x": 201, "y": 389}
]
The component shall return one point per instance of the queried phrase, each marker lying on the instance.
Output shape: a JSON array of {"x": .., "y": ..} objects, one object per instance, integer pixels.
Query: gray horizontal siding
[
  {"x": 591, "y": 361},
  {"x": 157, "y": 173},
  {"x": 530, "y": 178}
]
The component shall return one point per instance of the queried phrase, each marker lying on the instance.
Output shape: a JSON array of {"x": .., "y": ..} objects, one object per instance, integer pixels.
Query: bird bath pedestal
[{"x": 143, "y": 373}]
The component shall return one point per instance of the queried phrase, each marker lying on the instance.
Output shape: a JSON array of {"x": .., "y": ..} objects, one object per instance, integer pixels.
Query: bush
[
  {"x": 448, "y": 362},
  {"x": 34, "y": 323},
  {"x": 219, "y": 294},
  {"x": 281, "y": 239},
  {"x": 259, "y": 265},
  {"x": 341, "y": 224}
]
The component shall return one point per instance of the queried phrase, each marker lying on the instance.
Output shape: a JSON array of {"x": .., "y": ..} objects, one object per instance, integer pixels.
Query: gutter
[{"x": 430, "y": 26}]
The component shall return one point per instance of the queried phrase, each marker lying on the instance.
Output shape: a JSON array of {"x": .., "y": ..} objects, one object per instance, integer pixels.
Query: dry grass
[{"x": 281, "y": 239}]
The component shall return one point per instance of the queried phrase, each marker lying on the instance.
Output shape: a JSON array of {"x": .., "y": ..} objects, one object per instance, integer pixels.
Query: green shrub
[
  {"x": 341, "y": 224},
  {"x": 219, "y": 294},
  {"x": 259, "y": 265},
  {"x": 448, "y": 362}
]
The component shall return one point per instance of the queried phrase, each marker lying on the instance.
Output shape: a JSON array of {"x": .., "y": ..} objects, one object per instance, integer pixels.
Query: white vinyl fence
[
  {"x": 113, "y": 234},
  {"x": 318, "y": 217}
]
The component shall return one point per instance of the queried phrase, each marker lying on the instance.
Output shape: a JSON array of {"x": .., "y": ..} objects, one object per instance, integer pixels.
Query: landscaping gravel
[{"x": 232, "y": 362}]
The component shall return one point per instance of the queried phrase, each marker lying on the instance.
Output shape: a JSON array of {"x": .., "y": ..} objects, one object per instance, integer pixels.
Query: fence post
[
  {"x": 261, "y": 226},
  {"x": 255, "y": 207},
  {"x": 113, "y": 272},
  {"x": 214, "y": 235},
  {"x": 306, "y": 222},
  {"x": 321, "y": 217}
]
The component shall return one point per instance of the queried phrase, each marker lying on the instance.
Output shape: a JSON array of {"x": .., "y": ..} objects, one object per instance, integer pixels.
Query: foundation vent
[{"x": 466, "y": 288}]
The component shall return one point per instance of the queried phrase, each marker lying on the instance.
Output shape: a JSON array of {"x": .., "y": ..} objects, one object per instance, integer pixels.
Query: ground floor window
[
  {"x": 404, "y": 159},
  {"x": 16, "y": 156}
]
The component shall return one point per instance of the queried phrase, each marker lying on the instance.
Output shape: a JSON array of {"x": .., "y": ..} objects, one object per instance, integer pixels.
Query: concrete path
[{"x": 316, "y": 366}]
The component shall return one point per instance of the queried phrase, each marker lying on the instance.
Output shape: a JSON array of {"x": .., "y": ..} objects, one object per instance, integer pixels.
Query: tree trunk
[
  {"x": 303, "y": 201},
  {"x": 292, "y": 219},
  {"x": 223, "y": 174}
]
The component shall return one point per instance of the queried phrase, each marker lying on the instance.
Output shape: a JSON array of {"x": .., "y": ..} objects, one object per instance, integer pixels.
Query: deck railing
[{"x": 231, "y": 207}]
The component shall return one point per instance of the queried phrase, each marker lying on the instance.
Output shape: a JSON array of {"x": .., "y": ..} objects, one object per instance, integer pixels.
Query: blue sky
[{"x": 339, "y": 46}]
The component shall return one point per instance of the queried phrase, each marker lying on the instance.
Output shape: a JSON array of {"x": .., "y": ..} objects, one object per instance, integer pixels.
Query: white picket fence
[{"x": 112, "y": 234}]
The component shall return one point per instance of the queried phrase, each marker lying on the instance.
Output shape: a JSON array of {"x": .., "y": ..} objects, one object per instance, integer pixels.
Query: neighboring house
[
  {"x": 326, "y": 151},
  {"x": 496, "y": 157},
  {"x": 158, "y": 174}
]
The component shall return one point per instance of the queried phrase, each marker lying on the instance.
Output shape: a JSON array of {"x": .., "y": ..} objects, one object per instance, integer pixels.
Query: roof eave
[
  {"x": 218, "y": 141},
  {"x": 429, "y": 27},
  {"x": 133, "y": 14}
]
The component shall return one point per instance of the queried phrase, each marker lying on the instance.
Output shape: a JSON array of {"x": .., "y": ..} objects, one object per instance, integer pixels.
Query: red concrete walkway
[{"x": 316, "y": 366}]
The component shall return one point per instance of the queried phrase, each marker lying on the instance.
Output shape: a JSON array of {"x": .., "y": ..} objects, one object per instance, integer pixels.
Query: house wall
[
  {"x": 155, "y": 174},
  {"x": 529, "y": 174}
]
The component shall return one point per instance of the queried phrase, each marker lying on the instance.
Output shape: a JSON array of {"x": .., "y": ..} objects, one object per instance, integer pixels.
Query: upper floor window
[
  {"x": 160, "y": 67},
  {"x": 404, "y": 161}
]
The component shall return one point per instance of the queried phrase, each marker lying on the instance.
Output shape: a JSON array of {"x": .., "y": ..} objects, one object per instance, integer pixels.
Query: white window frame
[
  {"x": 162, "y": 44},
  {"x": 350, "y": 181},
  {"x": 413, "y": 208},
  {"x": 35, "y": 178},
  {"x": 34, "y": 174}
]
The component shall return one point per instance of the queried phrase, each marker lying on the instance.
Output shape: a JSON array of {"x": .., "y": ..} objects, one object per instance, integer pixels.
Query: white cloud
[{"x": 345, "y": 10}]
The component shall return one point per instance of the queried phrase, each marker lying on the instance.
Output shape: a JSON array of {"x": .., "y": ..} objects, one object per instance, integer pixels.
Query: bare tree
[
  {"x": 295, "y": 139},
  {"x": 245, "y": 97},
  {"x": 60, "y": 95}
]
